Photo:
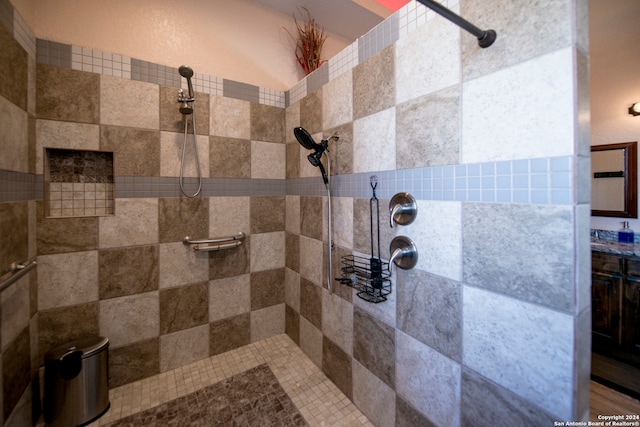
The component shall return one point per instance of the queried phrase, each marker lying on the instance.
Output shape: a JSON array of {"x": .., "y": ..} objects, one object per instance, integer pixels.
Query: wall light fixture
[{"x": 634, "y": 110}]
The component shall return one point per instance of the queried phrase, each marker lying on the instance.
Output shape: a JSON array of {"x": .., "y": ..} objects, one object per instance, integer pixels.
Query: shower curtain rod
[{"x": 485, "y": 38}]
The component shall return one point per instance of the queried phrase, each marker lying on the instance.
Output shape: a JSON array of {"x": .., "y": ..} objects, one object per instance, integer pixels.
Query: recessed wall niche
[{"x": 78, "y": 183}]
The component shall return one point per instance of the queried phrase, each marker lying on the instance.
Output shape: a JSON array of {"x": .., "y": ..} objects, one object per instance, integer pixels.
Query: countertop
[{"x": 615, "y": 248}]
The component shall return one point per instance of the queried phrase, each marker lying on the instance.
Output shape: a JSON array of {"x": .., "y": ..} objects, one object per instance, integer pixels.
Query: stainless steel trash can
[{"x": 76, "y": 382}]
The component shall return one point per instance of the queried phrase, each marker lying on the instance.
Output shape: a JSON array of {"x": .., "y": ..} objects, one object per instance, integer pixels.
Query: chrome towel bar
[
  {"x": 18, "y": 270},
  {"x": 217, "y": 244}
]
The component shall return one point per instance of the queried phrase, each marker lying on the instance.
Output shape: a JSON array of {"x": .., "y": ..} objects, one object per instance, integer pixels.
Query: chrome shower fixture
[{"x": 186, "y": 109}]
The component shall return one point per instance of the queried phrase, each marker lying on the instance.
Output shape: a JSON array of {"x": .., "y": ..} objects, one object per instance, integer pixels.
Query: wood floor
[{"x": 605, "y": 401}]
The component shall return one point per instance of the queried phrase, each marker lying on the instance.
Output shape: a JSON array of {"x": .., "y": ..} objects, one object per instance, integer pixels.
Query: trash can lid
[{"x": 88, "y": 346}]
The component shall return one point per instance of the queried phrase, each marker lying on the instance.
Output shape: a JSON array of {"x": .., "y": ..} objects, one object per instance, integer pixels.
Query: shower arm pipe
[{"x": 485, "y": 38}]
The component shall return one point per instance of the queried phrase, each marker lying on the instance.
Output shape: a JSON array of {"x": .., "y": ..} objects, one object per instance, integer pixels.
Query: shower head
[
  {"x": 187, "y": 73},
  {"x": 306, "y": 140}
]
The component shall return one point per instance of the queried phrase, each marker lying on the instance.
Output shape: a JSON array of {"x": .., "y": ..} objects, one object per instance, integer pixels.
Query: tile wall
[
  {"x": 491, "y": 327},
  {"x": 496, "y": 194}
]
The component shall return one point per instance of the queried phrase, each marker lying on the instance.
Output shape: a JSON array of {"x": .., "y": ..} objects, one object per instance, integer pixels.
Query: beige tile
[
  {"x": 15, "y": 310},
  {"x": 337, "y": 101},
  {"x": 230, "y": 157},
  {"x": 337, "y": 321},
  {"x": 67, "y": 279},
  {"x": 374, "y": 142},
  {"x": 184, "y": 347},
  {"x": 267, "y": 322},
  {"x": 14, "y": 137},
  {"x": 311, "y": 341},
  {"x": 374, "y": 84},
  {"x": 59, "y": 134},
  {"x": 267, "y": 123},
  {"x": 291, "y": 119},
  {"x": 267, "y": 251},
  {"x": 268, "y": 160},
  {"x": 56, "y": 86},
  {"x": 229, "y": 297},
  {"x": 126, "y": 320},
  {"x": 230, "y": 117},
  {"x": 311, "y": 253},
  {"x": 292, "y": 289},
  {"x": 134, "y": 223},
  {"x": 136, "y": 152},
  {"x": 342, "y": 228},
  {"x": 114, "y": 110},
  {"x": 292, "y": 214},
  {"x": 171, "y": 144},
  {"x": 222, "y": 222},
  {"x": 180, "y": 265}
]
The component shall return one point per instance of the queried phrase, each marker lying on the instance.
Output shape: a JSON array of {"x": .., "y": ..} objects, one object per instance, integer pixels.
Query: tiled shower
[{"x": 492, "y": 143}]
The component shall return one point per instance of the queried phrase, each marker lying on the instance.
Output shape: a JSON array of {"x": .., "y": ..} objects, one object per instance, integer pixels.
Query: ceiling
[{"x": 347, "y": 19}]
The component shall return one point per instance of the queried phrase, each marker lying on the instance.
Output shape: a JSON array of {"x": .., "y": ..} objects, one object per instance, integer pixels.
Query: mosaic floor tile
[{"x": 251, "y": 398}]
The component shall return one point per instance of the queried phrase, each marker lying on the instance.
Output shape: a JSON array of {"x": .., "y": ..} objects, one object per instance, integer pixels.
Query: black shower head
[
  {"x": 187, "y": 73},
  {"x": 306, "y": 140}
]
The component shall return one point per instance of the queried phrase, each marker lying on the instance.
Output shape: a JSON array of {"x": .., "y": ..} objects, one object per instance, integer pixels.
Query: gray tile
[
  {"x": 536, "y": 266},
  {"x": 267, "y": 214},
  {"x": 427, "y": 380},
  {"x": 432, "y": 142},
  {"x": 243, "y": 91},
  {"x": 430, "y": 310},
  {"x": 56, "y": 86},
  {"x": 229, "y": 334},
  {"x": 267, "y": 123},
  {"x": 374, "y": 84},
  {"x": 292, "y": 324},
  {"x": 374, "y": 346},
  {"x": 408, "y": 416},
  {"x": 486, "y": 404},
  {"x": 311, "y": 302},
  {"x": 514, "y": 43},
  {"x": 267, "y": 288},
  {"x": 127, "y": 271},
  {"x": 183, "y": 307},
  {"x": 134, "y": 362},
  {"x": 136, "y": 151},
  {"x": 336, "y": 364},
  {"x": 180, "y": 217}
]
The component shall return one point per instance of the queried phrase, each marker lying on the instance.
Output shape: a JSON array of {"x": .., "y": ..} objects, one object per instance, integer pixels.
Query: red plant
[{"x": 309, "y": 42}]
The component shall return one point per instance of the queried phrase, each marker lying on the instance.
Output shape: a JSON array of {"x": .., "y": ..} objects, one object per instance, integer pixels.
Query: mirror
[{"x": 614, "y": 180}]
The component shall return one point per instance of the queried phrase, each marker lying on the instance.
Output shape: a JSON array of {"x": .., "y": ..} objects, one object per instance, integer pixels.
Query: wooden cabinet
[{"x": 615, "y": 293}]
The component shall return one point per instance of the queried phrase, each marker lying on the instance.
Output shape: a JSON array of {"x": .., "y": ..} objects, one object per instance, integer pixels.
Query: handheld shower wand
[
  {"x": 186, "y": 109},
  {"x": 315, "y": 158}
]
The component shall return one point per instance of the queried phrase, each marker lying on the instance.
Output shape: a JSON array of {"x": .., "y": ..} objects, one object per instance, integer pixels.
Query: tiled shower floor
[{"x": 317, "y": 399}]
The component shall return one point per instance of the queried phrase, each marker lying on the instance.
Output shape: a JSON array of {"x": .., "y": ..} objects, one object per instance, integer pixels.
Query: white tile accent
[
  {"x": 428, "y": 380},
  {"x": 502, "y": 111},
  {"x": 525, "y": 348}
]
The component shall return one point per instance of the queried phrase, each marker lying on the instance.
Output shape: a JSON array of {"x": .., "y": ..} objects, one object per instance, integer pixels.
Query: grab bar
[
  {"x": 216, "y": 244},
  {"x": 18, "y": 270}
]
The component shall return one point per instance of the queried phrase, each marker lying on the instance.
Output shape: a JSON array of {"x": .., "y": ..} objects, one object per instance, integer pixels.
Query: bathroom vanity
[{"x": 615, "y": 290}]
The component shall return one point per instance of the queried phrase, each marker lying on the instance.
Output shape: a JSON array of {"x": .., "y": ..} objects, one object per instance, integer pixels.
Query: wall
[
  {"x": 500, "y": 292},
  {"x": 492, "y": 326},
  {"x": 213, "y": 37},
  {"x": 18, "y": 320}
]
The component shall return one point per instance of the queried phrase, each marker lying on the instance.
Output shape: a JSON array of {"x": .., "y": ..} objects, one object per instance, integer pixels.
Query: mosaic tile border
[{"x": 533, "y": 181}]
